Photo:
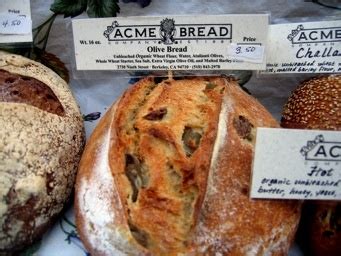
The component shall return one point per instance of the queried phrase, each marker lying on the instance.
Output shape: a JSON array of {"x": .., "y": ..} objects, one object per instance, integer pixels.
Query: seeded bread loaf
[
  {"x": 167, "y": 172},
  {"x": 41, "y": 141},
  {"x": 316, "y": 104}
]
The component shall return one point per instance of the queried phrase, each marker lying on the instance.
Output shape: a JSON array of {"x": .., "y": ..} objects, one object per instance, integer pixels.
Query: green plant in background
[
  {"x": 37, "y": 49},
  {"x": 32, "y": 250},
  {"x": 94, "y": 8},
  {"x": 69, "y": 8}
]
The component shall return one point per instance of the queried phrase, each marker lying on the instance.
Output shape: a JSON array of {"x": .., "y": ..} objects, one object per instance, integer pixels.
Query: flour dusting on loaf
[
  {"x": 218, "y": 144},
  {"x": 96, "y": 202},
  {"x": 98, "y": 190},
  {"x": 179, "y": 160},
  {"x": 41, "y": 140}
]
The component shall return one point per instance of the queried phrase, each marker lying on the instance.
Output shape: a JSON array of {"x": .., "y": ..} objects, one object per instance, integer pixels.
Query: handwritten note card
[
  {"x": 15, "y": 21},
  {"x": 304, "y": 47},
  {"x": 297, "y": 164}
]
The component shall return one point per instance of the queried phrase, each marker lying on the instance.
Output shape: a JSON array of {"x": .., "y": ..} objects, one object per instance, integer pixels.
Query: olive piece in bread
[{"x": 41, "y": 141}]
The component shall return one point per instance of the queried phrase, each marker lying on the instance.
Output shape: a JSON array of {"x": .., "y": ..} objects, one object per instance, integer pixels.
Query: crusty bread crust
[
  {"x": 40, "y": 148},
  {"x": 167, "y": 172},
  {"x": 232, "y": 223}
]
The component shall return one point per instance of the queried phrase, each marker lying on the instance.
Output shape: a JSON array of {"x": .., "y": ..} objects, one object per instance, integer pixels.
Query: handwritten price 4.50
[{"x": 14, "y": 24}]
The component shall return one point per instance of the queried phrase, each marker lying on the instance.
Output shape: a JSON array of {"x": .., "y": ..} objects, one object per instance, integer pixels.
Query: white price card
[
  {"x": 15, "y": 25},
  {"x": 171, "y": 42},
  {"x": 15, "y": 21},
  {"x": 297, "y": 164},
  {"x": 247, "y": 52}
]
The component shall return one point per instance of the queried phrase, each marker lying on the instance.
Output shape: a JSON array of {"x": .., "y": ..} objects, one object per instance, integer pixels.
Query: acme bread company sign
[
  {"x": 308, "y": 47},
  {"x": 168, "y": 32},
  {"x": 314, "y": 35},
  {"x": 142, "y": 43},
  {"x": 321, "y": 150},
  {"x": 300, "y": 36}
]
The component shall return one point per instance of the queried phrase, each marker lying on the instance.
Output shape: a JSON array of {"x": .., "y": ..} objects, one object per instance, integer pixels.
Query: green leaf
[
  {"x": 31, "y": 250},
  {"x": 13, "y": 48},
  {"x": 103, "y": 8},
  {"x": 70, "y": 8}
]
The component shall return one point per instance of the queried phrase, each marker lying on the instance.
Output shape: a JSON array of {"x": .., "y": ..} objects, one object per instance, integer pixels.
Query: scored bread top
[
  {"x": 168, "y": 171},
  {"x": 24, "y": 89},
  {"x": 41, "y": 140},
  {"x": 166, "y": 134}
]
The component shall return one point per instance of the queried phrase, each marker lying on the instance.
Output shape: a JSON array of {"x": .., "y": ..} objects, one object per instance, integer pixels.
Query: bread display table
[{"x": 95, "y": 93}]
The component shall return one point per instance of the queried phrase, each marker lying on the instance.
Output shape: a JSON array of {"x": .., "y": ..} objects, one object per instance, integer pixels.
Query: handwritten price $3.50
[{"x": 252, "y": 53}]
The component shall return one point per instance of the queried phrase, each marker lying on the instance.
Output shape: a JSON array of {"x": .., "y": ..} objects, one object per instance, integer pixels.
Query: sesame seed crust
[{"x": 315, "y": 104}]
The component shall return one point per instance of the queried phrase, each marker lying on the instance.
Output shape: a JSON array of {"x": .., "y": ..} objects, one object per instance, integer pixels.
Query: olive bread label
[
  {"x": 297, "y": 164},
  {"x": 305, "y": 47},
  {"x": 15, "y": 21},
  {"x": 171, "y": 43}
]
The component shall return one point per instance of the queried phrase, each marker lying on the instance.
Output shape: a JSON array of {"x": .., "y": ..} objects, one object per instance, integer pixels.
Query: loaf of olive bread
[{"x": 167, "y": 172}]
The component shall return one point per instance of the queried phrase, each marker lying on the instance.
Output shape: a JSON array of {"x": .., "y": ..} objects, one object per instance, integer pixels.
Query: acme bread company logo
[
  {"x": 168, "y": 32},
  {"x": 321, "y": 150},
  {"x": 302, "y": 35}
]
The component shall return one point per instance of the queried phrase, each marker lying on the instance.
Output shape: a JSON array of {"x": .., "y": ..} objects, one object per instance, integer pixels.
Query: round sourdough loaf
[
  {"x": 41, "y": 141},
  {"x": 167, "y": 172},
  {"x": 316, "y": 104}
]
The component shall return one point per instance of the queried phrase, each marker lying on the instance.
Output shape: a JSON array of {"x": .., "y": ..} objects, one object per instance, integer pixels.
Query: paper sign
[
  {"x": 306, "y": 47},
  {"x": 15, "y": 21},
  {"x": 171, "y": 43},
  {"x": 297, "y": 164}
]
